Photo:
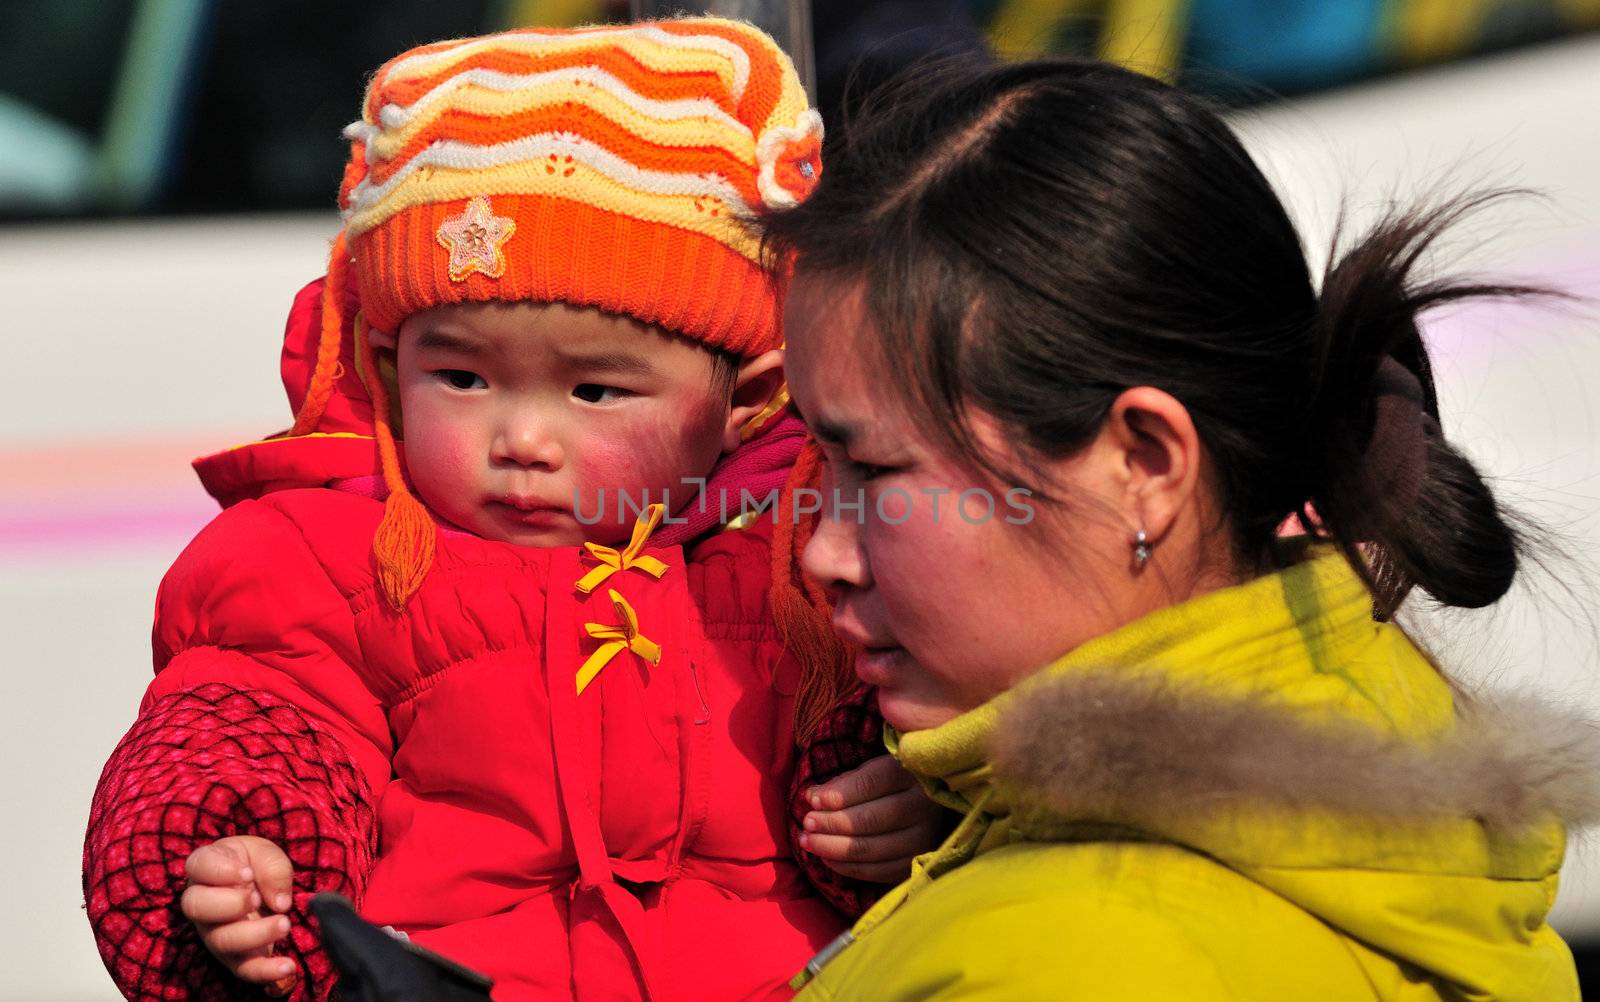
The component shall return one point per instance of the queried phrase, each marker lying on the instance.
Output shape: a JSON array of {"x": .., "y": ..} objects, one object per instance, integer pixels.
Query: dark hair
[
  {"x": 724, "y": 371},
  {"x": 1033, "y": 239}
]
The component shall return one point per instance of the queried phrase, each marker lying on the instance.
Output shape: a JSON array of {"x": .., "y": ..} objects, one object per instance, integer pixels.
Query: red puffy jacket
[{"x": 439, "y": 765}]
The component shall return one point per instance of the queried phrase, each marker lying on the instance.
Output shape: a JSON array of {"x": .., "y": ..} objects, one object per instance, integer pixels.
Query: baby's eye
[
  {"x": 461, "y": 379},
  {"x": 598, "y": 393}
]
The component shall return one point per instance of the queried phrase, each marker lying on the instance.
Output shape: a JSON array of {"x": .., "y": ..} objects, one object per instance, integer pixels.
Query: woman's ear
[
  {"x": 758, "y": 380},
  {"x": 1159, "y": 453}
]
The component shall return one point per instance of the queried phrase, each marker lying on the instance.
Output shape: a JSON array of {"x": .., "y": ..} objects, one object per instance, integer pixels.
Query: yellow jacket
[{"x": 1261, "y": 795}]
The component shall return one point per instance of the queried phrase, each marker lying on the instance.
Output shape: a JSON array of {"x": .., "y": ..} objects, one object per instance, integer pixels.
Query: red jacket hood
[{"x": 342, "y": 447}]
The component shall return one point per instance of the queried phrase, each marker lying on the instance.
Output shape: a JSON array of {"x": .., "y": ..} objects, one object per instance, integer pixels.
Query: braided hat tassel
[
  {"x": 404, "y": 542},
  {"x": 328, "y": 343},
  {"x": 801, "y": 608}
]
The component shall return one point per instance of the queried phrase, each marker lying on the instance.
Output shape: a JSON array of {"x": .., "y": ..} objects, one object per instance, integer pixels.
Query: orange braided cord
[
  {"x": 404, "y": 542},
  {"x": 328, "y": 344},
  {"x": 801, "y": 609}
]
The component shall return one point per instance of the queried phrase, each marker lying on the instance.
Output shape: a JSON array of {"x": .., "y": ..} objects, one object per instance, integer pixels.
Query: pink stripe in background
[
  {"x": 75, "y": 499},
  {"x": 149, "y": 523}
]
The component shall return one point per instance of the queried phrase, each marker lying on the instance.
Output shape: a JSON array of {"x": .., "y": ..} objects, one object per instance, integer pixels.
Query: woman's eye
[
  {"x": 843, "y": 468},
  {"x": 461, "y": 379},
  {"x": 867, "y": 472},
  {"x": 597, "y": 393}
]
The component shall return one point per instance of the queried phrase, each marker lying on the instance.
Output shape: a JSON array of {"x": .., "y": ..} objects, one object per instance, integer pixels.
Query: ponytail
[{"x": 1404, "y": 505}]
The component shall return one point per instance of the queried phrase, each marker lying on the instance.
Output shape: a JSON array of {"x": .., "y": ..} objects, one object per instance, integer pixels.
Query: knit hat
[
  {"x": 620, "y": 167},
  {"x": 616, "y": 167}
]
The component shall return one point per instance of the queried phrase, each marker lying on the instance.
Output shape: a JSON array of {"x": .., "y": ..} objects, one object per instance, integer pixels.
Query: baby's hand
[
  {"x": 870, "y": 822},
  {"x": 229, "y": 882}
]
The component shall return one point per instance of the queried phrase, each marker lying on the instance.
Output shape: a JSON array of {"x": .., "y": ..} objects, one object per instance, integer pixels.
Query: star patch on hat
[{"x": 474, "y": 239}]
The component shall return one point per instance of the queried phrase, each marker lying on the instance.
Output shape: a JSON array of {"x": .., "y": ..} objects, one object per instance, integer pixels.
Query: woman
[{"x": 1234, "y": 778}]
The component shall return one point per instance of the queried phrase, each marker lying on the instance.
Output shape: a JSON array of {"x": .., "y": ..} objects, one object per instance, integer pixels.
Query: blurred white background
[{"x": 135, "y": 346}]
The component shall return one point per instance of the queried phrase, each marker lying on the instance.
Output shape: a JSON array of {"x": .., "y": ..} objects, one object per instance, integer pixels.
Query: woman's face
[{"x": 955, "y": 587}]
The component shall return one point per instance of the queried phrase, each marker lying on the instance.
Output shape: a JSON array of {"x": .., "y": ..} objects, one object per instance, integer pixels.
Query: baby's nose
[{"x": 528, "y": 444}]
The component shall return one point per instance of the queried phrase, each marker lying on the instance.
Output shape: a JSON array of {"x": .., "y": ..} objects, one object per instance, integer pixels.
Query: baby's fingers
[
  {"x": 267, "y": 970},
  {"x": 892, "y": 813},
  {"x": 220, "y": 865},
  {"x": 878, "y": 777},
  {"x": 895, "y": 847},
  {"x": 235, "y": 938},
  {"x": 216, "y": 905}
]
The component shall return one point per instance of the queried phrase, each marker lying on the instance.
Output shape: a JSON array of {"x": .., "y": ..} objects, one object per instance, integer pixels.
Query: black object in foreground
[{"x": 376, "y": 966}]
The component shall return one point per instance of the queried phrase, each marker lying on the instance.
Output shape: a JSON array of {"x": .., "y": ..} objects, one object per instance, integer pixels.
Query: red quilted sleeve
[
  {"x": 199, "y": 765},
  {"x": 850, "y": 736},
  {"x": 258, "y": 722}
]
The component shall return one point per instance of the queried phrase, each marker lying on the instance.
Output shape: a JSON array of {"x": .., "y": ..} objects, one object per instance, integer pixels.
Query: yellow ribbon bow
[
  {"x": 628, "y": 559},
  {"x": 625, "y": 637}
]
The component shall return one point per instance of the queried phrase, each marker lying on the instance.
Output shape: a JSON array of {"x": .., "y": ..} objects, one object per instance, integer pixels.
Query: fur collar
[{"x": 1111, "y": 748}]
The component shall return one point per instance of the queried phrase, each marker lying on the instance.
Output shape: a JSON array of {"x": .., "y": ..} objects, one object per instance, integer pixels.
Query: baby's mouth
[
  {"x": 528, "y": 505},
  {"x": 528, "y": 513}
]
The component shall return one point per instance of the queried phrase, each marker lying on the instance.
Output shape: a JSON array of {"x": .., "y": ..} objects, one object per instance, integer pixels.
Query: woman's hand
[
  {"x": 230, "y": 881},
  {"x": 870, "y": 822}
]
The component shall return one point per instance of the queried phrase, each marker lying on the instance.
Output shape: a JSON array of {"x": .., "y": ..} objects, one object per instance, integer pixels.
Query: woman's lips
[
  {"x": 875, "y": 659},
  {"x": 876, "y": 665}
]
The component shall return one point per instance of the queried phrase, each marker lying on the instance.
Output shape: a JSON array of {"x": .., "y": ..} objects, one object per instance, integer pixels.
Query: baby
[{"x": 473, "y": 643}]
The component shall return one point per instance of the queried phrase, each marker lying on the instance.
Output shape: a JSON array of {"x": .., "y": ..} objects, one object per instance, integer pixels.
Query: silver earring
[{"x": 1141, "y": 549}]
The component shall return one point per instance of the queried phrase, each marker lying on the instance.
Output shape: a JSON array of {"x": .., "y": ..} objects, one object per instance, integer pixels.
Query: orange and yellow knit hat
[
  {"x": 617, "y": 167},
  {"x": 620, "y": 167}
]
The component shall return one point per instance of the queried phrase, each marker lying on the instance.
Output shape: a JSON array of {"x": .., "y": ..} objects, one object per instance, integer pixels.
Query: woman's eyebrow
[
  {"x": 835, "y": 432},
  {"x": 825, "y": 429}
]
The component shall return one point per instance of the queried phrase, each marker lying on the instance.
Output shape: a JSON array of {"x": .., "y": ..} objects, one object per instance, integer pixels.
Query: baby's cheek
[
  {"x": 639, "y": 454},
  {"x": 607, "y": 464},
  {"x": 441, "y": 460}
]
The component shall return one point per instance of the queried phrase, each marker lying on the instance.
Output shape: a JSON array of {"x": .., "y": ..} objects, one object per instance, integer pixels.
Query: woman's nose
[{"x": 834, "y": 554}]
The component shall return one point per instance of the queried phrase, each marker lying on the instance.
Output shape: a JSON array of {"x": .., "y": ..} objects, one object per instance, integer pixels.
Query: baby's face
[{"x": 517, "y": 416}]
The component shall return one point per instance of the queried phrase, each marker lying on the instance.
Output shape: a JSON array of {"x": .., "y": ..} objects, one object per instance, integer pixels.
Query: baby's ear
[
  {"x": 758, "y": 380},
  {"x": 380, "y": 340}
]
